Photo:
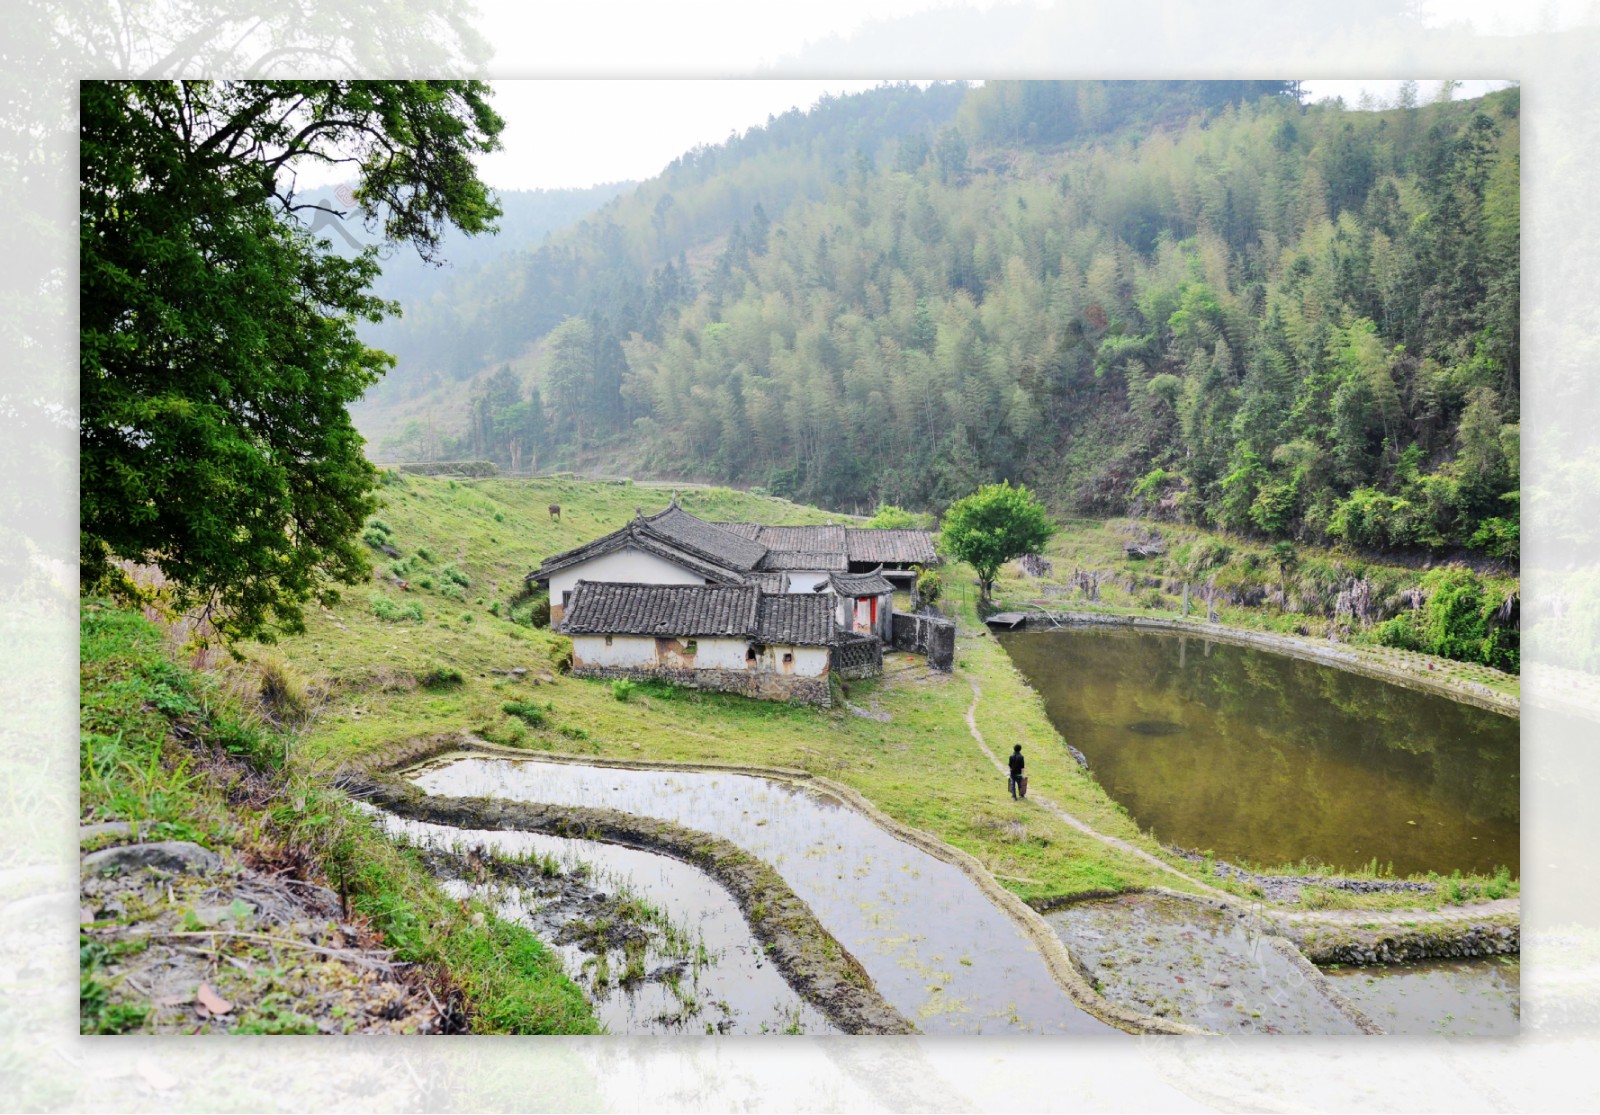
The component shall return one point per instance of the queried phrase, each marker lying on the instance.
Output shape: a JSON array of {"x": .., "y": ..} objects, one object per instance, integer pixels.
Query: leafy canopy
[
  {"x": 993, "y": 525},
  {"x": 218, "y": 347}
]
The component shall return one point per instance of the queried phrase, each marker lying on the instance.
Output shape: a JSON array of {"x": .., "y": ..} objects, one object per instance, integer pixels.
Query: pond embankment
[{"x": 1398, "y": 667}]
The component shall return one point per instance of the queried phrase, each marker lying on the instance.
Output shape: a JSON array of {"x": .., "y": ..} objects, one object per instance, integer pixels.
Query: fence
[
  {"x": 933, "y": 636},
  {"x": 858, "y": 656}
]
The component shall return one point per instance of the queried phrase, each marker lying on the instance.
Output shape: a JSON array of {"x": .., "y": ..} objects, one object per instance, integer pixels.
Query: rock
[
  {"x": 519, "y": 671},
  {"x": 119, "y": 828},
  {"x": 177, "y": 856}
]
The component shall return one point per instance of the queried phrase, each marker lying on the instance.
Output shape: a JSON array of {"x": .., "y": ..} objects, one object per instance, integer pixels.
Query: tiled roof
[
  {"x": 815, "y": 539},
  {"x": 743, "y": 530},
  {"x": 796, "y": 561},
  {"x": 667, "y": 611},
  {"x": 769, "y": 582},
  {"x": 707, "y": 538},
  {"x": 860, "y": 584},
  {"x": 890, "y": 547},
  {"x": 796, "y": 619},
  {"x": 638, "y": 534}
]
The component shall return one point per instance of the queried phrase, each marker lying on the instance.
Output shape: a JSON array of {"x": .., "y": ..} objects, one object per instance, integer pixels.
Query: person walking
[{"x": 1018, "y": 782}]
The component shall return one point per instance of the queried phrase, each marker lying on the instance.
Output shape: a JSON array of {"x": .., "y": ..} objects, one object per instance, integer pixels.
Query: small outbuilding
[{"x": 733, "y": 638}]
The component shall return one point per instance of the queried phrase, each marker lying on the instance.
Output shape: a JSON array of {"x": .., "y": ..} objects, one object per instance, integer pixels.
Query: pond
[
  {"x": 680, "y": 958},
  {"x": 933, "y": 943},
  {"x": 1267, "y": 759}
]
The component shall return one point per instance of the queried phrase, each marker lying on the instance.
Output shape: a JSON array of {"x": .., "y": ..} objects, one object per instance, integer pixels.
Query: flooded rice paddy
[
  {"x": 933, "y": 943},
  {"x": 1195, "y": 963},
  {"x": 1455, "y": 998},
  {"x": 1269, "y": 759},
  {"x": 657, "y": 946}
]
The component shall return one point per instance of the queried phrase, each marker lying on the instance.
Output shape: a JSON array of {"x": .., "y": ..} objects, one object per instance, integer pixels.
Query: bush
[
  {"x": 530, "y": 714},
  {"x": 929, "y": 586},
  {"x": 1458, "y": 621},
  {"x": 442, "y": 677},
  {"x": 622, "y": 689},
  {"x": 390, "y": 612},
  {"x": 455, "y": 576},
  {"x": 283, "y": 690},
  {"x": 452, "y": 591},
  {"x": 425, "y": 554}
]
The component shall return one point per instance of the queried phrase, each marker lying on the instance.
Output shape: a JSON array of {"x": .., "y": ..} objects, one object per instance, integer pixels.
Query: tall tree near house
[
  {"x": 992, "y": 526},
  {"x": 217, "y": 339}
]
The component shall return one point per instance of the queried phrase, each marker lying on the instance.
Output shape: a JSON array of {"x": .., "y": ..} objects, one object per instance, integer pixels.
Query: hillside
[{"x": 1203, "y": 302}]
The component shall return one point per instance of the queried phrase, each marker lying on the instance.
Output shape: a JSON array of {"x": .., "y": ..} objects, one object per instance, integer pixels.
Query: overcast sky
[{"x": 572, "y": 133}]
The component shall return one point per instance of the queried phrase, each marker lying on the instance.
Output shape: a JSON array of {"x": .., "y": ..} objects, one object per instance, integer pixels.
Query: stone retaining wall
[
  {"x": 1392, "y": 944},
  {"x": 767, "y": 686}
]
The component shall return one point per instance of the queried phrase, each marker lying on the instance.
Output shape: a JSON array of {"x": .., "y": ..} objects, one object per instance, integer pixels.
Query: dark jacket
[{"x": 1016, "y": 764}]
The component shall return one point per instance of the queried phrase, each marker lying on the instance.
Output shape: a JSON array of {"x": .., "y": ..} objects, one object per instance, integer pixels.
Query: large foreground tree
[{"x": 218, "y": 347}]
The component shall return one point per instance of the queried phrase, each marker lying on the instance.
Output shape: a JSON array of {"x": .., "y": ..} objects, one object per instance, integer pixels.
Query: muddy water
[
  {"x": 711, "y": 976},
  {"x": 933, "y": 943},
  {"x": 1193, "y": 963},
  {"x": 1270, "y": 759},
  {"x": 1456, "y": 998}
]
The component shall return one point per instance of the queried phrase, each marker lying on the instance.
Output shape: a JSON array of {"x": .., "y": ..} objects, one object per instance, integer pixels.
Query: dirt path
[{"x": 1077, "y": 823}]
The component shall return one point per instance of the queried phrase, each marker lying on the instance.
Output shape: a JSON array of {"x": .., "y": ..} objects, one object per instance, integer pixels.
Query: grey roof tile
[
  {"x": 890, "y": 547},
  {"x": 666, "y": 611},
  {"x": 796, "y": 561},
  {"x": 796, "y": 619}
]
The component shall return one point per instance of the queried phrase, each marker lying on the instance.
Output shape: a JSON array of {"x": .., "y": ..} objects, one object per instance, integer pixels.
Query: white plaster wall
[
  {"x": 809, "y": 662},
  {"x": 805, "y": 581},
  {"x": 640, "y": 650},
  {"x": 720, "y": 654},
  {"x": 625, "y": 650},
  {"x": 627, "y": 566}
]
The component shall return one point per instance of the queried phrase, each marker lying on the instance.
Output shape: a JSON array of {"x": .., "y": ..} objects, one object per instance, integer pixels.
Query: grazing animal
[{"x": 555, "y": 512}]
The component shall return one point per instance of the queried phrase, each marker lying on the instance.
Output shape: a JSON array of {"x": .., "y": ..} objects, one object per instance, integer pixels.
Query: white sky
[{"x": 580, "y": 132}]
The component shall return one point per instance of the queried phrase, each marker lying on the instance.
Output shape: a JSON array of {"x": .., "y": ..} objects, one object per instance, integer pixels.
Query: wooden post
[{"x": 1186, "y": 600}]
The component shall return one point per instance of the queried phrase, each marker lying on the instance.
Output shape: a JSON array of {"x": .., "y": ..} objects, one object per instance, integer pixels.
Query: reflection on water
[
  {"x": 1270, "y": 759},
  {"x": 711, "y": 975},
  {"x": 1191, "y": 962},
  {"x": 932, "y": 942},
  {"x": 1459, "y": 998}
]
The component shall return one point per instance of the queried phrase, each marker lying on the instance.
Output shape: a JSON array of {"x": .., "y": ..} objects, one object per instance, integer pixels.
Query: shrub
[
  {"x": 452, "y": 591},
  {"x": 561, "y": 653},
  {"x": 454, "y": 575},
  {"x": 425, "y": 554},
  {"x": 929, "y": 586},
  {"x": 530, "y": 714},
  {"x": 442, "y": 677},
  {"x": 390, "y": 612},
  {"x": 622, "y": 689},
  {"x": 283, "y": 690}
]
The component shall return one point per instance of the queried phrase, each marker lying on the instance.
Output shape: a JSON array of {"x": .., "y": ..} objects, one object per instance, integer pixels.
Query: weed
[
  {"x": 572, "y": 733},
  {"x": 529, "y": 713},
  {"x": 442, "y": 677},
  {"x": 454, "y": 575},
  {"x": 390, "y": 612},
  {"x": 622, "y": 689}
]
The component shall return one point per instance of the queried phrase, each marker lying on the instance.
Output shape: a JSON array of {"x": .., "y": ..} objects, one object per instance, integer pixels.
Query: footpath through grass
[{"x": 452, "y": 651}]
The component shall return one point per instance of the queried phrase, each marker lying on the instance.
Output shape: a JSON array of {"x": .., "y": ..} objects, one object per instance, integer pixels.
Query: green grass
[
  {"x": 148, "y": 725},
  {"x": 1199, "y": 556}
]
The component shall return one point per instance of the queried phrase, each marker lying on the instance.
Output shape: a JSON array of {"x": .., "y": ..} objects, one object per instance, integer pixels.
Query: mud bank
[
  {"x": 1203, "y": 961},
  {"x": 815, "y": 965},
  {"x": 379, "y": 777},
  {"x": 1339, "y": 656},
  {"x": 1400, "y": 943}
]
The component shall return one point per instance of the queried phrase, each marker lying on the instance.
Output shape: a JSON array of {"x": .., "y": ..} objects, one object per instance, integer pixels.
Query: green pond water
[{"x": 1267, "y": 759}]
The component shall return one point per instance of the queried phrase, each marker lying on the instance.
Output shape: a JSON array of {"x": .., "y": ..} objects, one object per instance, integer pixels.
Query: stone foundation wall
[
  {"x": 1394, "y": 944},
  {"x": 927, "y": 635},
  {"x": 762, "y": 685}
]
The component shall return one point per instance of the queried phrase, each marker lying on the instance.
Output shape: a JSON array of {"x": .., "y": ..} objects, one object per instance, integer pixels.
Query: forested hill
[{"x": 1206, "y": 300}]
